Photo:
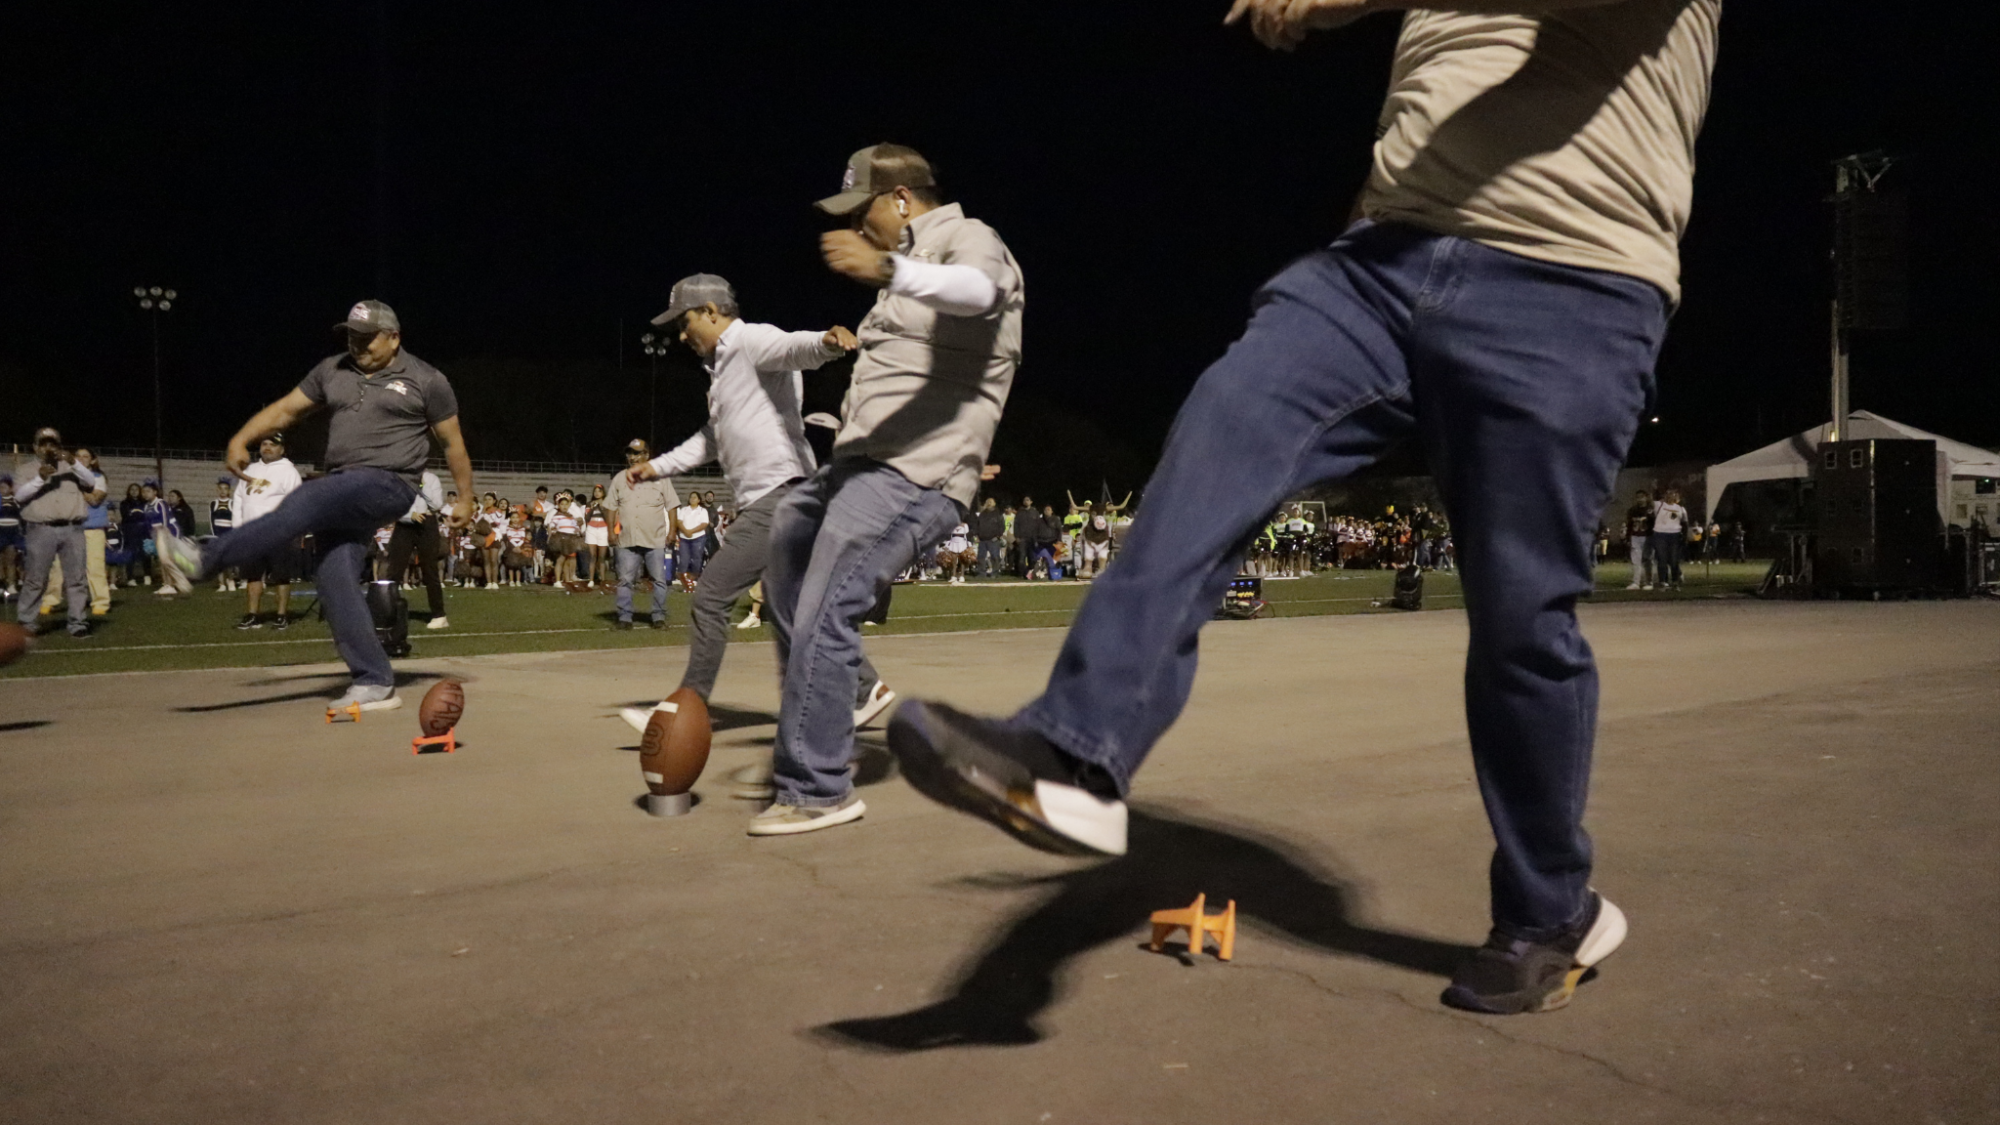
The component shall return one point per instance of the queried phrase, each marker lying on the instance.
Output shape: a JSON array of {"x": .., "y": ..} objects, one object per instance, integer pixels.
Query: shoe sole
[
  {"x": 1021, "y": 811},
  {"x": 870, "y": 711},
  {"x": 834, "y": 819}
]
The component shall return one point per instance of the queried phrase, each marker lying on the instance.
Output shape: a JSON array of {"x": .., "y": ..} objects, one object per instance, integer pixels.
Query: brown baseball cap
[{"x": 874, "y": 170}]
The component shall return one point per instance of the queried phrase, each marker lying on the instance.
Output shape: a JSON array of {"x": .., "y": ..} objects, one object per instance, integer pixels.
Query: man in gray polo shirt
[
  {"x": 386, "y": 405},
  {"x": 639, "y": 511},
  {"x": 937, "y": 358},
  {"x": 55, "y": 492}
]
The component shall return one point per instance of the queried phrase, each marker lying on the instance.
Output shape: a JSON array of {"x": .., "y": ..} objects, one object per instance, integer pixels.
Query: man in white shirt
[
  {"x": 755, "y": 431},
  {"x": 1669, "y": 523},
  {"x": 262, "y": 486},
  {"x": 1503, "y": 298}
]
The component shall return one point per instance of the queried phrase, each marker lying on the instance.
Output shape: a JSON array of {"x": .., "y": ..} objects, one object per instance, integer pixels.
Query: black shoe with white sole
[
  {"x": 1012, "y": 778},
  {"x": 1510, "y": 975}
]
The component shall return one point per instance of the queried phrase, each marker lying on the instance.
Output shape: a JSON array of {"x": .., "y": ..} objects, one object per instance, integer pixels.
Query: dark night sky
[{"x": 552, "y": 169}]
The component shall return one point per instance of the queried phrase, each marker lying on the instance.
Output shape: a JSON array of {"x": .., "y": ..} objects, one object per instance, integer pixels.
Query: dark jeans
[
  {"x": 421, "y": 538},
  {"x": 1525, "y": 380},
  {"x": 729, "y": 575},
  {"x": 989, "y": 558},
  {"x": 1667, "y": 557},
  {"x": 631, "y": 562},
  {"x": 837, "y": 541},
  {"x": 341, "y": 511},
  {"x": 690, "y": 555}
]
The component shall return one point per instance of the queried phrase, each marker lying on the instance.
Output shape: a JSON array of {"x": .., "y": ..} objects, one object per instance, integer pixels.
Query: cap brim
[
  {"x": 364, "y": 329},
  {"x": 846, "y": 203},
  {"x": 673, "y": 313}
]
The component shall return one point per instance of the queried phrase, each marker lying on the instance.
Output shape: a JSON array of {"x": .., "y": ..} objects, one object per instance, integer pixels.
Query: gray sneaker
[
  {"x": 790, "y": 820},
  {"x": 185, "y": 554},
  {"x": 1510, "y": 975}
]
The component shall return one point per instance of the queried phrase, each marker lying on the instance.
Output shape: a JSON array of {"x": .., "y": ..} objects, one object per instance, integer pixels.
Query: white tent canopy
[{"x": 1792, "y": 457}]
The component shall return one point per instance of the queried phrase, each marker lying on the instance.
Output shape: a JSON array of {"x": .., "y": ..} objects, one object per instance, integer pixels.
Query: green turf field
[{"x": 149, "y": 633}]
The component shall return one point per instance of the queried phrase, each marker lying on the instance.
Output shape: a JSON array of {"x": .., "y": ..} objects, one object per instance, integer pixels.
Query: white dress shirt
[{"x": 754, "y": 429}]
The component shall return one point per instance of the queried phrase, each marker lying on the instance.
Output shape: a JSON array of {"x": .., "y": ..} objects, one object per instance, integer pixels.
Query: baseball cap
[
  {"x": 637, "y": 445},
  {"x": 694, "y": 291},
  {"x": 47, "y": 432},
  {"x": 874, "y": 170},
  {"x": 369, "y": 317},
  {"x": 275, "y": 439}
]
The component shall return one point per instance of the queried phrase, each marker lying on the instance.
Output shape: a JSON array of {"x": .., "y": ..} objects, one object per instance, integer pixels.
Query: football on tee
[
  {"x": 441, "y": 708},
  {"x": 674, "y": 748},
  {"x": 13, "y": 642}
]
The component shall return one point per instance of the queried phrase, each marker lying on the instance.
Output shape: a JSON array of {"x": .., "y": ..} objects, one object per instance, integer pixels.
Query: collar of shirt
[{"x": 921, "y": 226}]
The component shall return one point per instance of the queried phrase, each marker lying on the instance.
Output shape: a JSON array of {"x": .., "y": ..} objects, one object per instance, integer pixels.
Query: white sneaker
[
  {"x": 439, "y": 622},
  {"x": 750, "y": 622},
  {"x": 1632, "y": 586},
  {"x": 790, "y": 820},
  {"x": 638, "y": 717},
  {"x": 368, "y": 698},
  {"x": 165, "y": 591},
  {"x": 873, "y": 704}
]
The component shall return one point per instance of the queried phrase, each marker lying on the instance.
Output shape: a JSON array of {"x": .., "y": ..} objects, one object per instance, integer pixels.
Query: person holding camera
[{"x": 55, "y": 492}]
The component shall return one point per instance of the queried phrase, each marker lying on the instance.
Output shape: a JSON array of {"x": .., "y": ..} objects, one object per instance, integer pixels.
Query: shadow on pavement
[
  {"x": 997, "y": 998},
  {"x": 403, "y": 680},
  {"x": 25, "y": 724}
]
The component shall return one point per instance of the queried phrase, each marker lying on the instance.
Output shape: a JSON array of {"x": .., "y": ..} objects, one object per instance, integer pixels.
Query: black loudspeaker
[
  {"x": 1870, "y": 260},
  {"x": 1409, "y": 589},
  {"x": 392, "y": 616},
  {"x": 1877, "y": 517}
]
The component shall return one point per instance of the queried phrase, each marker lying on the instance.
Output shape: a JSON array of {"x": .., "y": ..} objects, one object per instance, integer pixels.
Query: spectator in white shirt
[
  {"x": 260, "y": 488},
  {"x": 1669, "y": 522}
]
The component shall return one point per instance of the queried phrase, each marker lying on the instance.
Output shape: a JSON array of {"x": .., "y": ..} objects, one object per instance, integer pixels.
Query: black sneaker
[
  {"x": 1509, "y": 975},
  {"x": 659, "y": 622},
  {"x": 249, "y": 621},
  {"x": 81, "y": 632},
  {"x": 622, "y": 625},
  {"x": 1012, "y": 778},
  {"x": 281, "y": 622}
]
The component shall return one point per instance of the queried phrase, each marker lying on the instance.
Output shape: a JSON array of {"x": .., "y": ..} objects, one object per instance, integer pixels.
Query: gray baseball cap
[
  {"x": 694, "y": 291},
  {"x": 370, "y": 317},
  {"x": 874, "y": 170}
]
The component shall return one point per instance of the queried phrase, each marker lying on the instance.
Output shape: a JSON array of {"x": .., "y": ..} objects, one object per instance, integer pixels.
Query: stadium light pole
[
  {"x": 155, "y": 301},
  {"x": 656, "y": 346}
]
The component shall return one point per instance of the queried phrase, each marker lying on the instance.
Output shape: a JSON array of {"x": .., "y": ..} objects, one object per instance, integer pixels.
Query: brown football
[
  {"x": 675, "y": 746},
  {"x": 14, "y": 641},
  {"x": 442, "y": 706}
]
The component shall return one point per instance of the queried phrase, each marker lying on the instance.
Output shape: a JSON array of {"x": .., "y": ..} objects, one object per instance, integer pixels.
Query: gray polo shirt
[
  {"x": 928, "y": 387},
  {"x": 642, "y": 510},
  {"x": 384, "y": 420}
]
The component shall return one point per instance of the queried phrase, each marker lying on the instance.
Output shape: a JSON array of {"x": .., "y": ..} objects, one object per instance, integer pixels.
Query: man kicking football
[
  {"x": 754, "y": 429},
  {"x": 1502, "y": 299}
]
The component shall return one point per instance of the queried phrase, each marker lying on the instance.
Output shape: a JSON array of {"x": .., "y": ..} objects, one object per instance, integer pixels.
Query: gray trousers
[
  {"x": 727, "y": 576},
  {"x": 45, "y": 545}
]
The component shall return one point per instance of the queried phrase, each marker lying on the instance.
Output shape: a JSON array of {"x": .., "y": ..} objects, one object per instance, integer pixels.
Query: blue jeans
[
  {"x": 837, "y": 541},
  {"x": 690, "y": 555},
  {"x": 632, "y": 560},
  {"x": 341, "y": 511},
  {"x": 990, "y": 562},
  {"x": 1526, "y": 381}
]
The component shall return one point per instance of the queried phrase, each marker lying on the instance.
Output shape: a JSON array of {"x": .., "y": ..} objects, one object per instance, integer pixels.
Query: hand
[
  {"x": 838, "y": 337},
  {"x": 988, "y": 472},
  {"x": 419, "y": 518},
  {"x": 640, "y": 473},
  {"x": 238, "y": 457},
  {"x": 848, "y": 253},
  {"x": 46, "y": 469},
  {"x": 1283, "y": 24},
  {"x": 461, "y": 513}
]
